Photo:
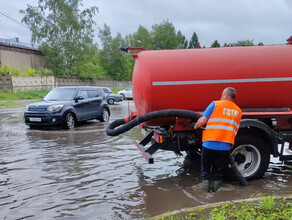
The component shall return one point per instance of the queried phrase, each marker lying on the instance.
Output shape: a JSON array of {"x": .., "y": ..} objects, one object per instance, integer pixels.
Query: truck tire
[
  {"x": 251, "y": 155},
  {"x": 192, "y": 160},
  {"x": 193, "y": 154}
]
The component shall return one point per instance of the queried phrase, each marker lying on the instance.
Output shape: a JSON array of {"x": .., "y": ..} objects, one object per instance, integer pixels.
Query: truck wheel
[
  {"x": 192, "y": 160},
  {"x": 193, "y": 154},
  {"x": 70, "y": 121},
  {"x": 111, "y": 101},
  {"x": 251, "y": 155},
  {"x": 105, "y": 115}
]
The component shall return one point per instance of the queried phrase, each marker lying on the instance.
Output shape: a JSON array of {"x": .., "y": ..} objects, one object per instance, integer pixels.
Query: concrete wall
[
  {"x": 72, "y": 81},
  {"x": 21, "y": 59},
  {"x": 75, "y": 81},
  {"x": 23, "y": 83},
  {"x": 5, "y": 82},
  {"x": 112, "y": 84}
]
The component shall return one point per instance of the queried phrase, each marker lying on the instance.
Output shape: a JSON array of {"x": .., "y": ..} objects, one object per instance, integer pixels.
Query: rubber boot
[
  {"x": 206, "y": 185},
  {"x": 215, "y": 185}
]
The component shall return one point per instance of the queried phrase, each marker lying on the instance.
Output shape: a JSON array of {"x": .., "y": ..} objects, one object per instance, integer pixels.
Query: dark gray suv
[{"x": 68, "y": 105}]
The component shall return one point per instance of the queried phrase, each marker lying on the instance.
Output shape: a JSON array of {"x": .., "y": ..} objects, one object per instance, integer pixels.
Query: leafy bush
[
  {"x": 14, "y": 72},
  {"x": 4, "y": 68},
  {"x": 30, "y": 72},
  {"x": 9, "y": 70},
  {"x": 45, "y": 72}
]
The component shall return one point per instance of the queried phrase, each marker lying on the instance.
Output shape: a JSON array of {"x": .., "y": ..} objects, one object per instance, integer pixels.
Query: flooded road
[{"x": 84, "y": 174}]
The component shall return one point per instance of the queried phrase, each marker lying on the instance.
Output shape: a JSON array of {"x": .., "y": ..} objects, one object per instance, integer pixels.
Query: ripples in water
[{"x": 83, "y": 173}]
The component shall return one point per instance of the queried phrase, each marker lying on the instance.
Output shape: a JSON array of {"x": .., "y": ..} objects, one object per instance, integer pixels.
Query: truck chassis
[{"x": 260, "y": 134}]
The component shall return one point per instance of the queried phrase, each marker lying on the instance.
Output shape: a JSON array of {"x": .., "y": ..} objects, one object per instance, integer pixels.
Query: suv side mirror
[{"x": 79, "y": 98}]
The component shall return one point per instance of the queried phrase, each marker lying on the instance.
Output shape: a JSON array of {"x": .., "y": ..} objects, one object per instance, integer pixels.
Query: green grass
[
  {"x": 22, "y": 95},
  {"x": 115, "y": 90},
  {"x": 267, "y": 208},
  {"x": 9, "y": 104}
]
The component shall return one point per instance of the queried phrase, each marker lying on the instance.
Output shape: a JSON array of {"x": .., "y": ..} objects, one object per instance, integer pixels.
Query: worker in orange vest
[{"x": 223, "y": 120}]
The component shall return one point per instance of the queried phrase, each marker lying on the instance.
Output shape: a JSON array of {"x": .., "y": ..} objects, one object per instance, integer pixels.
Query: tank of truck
[{"x": 192, "y": 78}]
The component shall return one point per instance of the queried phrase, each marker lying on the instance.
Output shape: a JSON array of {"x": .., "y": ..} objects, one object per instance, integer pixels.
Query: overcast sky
[{"x": 267, "y": 21}]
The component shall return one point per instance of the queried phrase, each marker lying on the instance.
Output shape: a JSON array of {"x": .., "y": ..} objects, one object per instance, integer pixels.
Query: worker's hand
[{"x": 201, "y": 122}]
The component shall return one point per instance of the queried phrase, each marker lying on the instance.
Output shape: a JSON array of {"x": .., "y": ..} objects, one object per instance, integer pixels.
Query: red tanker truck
[{"x": 172, "y": 87}]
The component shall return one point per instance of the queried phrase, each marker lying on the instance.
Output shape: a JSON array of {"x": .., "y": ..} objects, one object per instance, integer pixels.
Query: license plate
[{"x": 35, "y": 119}]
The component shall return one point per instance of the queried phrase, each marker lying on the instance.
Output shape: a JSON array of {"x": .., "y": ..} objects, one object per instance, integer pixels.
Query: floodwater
[{"x": 84, "y": 174}]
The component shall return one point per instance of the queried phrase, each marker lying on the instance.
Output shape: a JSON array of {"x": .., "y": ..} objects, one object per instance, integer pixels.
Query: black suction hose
[
  {"x": 232, "y": 166},
  {"x": 115, "y": 127},
  {"x": 120, "y": 126}
]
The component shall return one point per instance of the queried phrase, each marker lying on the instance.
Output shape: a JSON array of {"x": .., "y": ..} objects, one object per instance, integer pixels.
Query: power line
[
  {"x": 13, "y": 19},
  {"x": 11, "y": 10}
]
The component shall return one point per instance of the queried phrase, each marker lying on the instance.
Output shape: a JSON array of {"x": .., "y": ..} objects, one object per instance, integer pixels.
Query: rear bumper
[
  {"x": 45, "y": 118},
  {"x": 119, "y": 99},
  {"x": 116, "y": 98}
]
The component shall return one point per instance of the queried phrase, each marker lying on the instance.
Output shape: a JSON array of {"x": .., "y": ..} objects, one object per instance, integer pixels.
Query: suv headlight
[{"x": 54, "y": 108}]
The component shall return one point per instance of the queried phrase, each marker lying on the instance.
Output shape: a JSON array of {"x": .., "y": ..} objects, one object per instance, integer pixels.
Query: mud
[{"x": 84, "y": 174}]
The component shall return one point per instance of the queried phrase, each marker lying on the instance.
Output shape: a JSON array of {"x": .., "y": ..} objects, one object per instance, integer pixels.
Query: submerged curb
[{"x": 215, "y": 205}]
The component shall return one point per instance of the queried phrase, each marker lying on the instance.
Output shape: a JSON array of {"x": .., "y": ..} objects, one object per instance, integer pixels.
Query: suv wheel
[
  {"x": 70, "y": 121},
  {"x": 104, "y": 115},
  {"x": 111, "y": 101}
]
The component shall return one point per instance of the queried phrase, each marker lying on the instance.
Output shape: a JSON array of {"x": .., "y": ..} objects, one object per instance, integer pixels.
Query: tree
[
  {"x": 63, "y": 31},
  {"x": 164, "y": 36},
  {"x": 194, "y": 41},
  {"x": 244, "y": 43},
  {"x": 215, "y": 44},
  {"x": 141, "y": 38},
  {"x": 92, "y": 67},
  {"x": 117, "y": 65},
  {"x": 182, "y": 42}
]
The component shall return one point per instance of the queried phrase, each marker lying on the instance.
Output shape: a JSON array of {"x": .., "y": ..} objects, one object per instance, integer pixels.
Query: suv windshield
[
  {"x": 62, "y": 94},
  {"x": 107, "y": 90}
]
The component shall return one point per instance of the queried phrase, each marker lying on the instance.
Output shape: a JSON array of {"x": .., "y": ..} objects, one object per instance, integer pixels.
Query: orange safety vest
[{"x": 223, "y": 123}]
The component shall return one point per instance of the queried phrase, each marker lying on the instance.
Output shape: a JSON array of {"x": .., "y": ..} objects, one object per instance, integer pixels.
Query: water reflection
[{"x": 85, "y": 174}]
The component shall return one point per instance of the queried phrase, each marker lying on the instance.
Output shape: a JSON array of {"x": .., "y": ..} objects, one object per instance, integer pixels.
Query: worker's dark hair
[{"x": 231, "y": 92}]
